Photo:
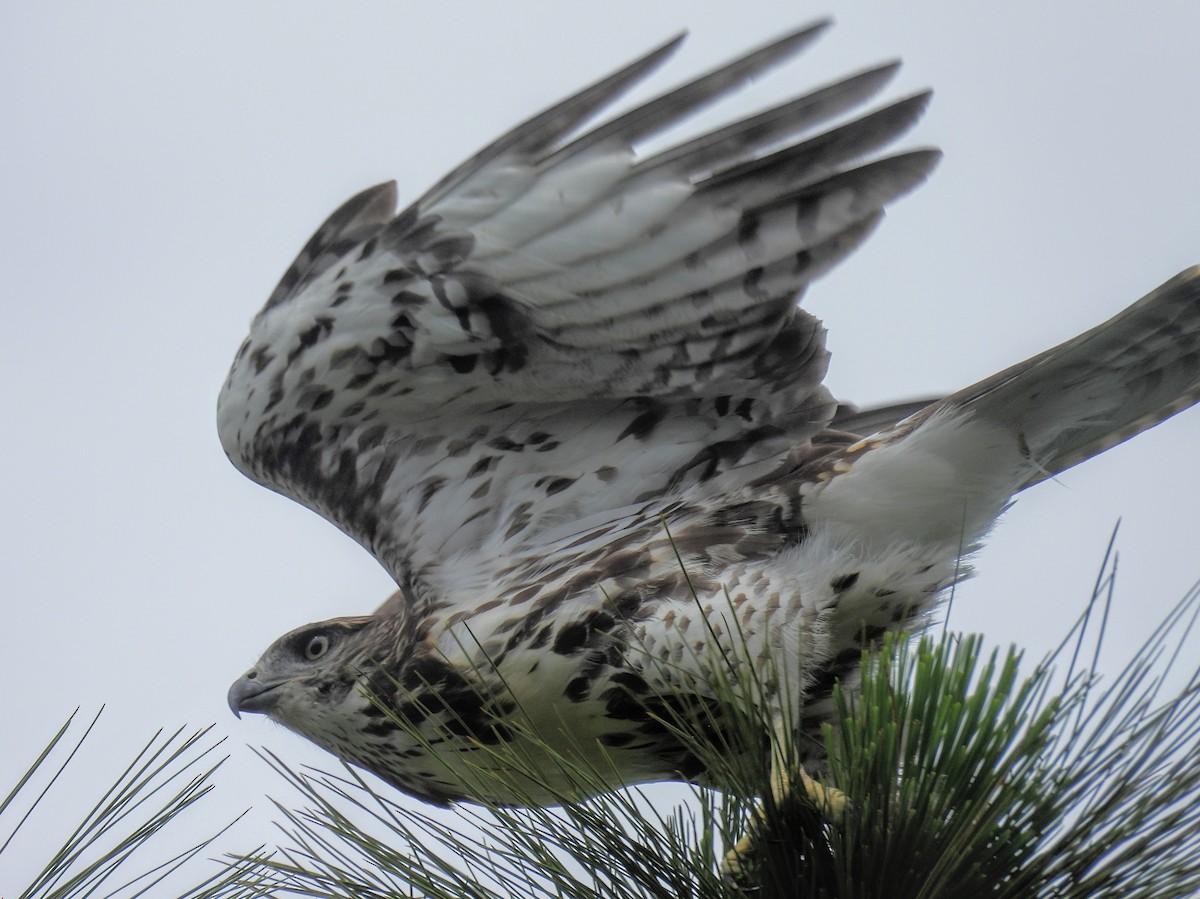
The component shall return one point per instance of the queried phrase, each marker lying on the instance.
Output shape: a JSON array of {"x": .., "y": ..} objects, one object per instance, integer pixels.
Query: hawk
[{"x": 568, "y": 400}]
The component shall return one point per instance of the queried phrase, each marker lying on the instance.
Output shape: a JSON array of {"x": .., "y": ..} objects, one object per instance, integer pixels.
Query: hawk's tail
[{"x": 1101, "y": 388}]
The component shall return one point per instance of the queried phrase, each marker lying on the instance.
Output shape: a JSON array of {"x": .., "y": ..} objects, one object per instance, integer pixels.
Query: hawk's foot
[{"x": 829, "y": 801}]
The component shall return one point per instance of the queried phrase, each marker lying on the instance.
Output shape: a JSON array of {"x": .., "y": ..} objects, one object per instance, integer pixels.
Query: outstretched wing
[{"x": 560, "y": 325}]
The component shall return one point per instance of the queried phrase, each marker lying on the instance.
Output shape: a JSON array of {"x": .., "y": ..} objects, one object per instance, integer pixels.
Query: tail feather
[{"x": 1101, "y": 388}]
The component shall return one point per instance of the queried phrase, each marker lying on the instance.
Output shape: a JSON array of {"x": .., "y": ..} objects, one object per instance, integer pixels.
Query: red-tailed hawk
[{"x": 568, "y": 400}]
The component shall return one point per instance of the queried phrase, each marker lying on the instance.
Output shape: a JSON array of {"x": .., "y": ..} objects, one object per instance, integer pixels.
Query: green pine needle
[{"x": 106, "y": 852}]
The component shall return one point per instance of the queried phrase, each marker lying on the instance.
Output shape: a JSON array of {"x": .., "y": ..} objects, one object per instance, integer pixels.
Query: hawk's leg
[{"x": 828, "y": 800}]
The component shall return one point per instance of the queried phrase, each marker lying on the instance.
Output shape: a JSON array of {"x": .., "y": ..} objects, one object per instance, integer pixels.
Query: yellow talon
[{"x": 830, "y": 801}]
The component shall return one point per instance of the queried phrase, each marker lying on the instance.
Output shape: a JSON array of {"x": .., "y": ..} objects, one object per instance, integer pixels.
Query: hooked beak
[{"x": 249, "y": 693}]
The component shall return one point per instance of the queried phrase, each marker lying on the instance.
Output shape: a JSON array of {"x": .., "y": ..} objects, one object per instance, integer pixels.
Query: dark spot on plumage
[
  {"x": 721, "y": 404},
  {"x": 505, "y": 444},
  {"x": 801, "y": 262},
  {"x": 698, "y": 540},
  {"x": 411, "y": 712},
  {"x": 321, "y": 328},
  {"x": 451, "y": 248},
  {"x": 548, "y": 446},
  {"x": 348, "y": 356},
  {"x": 360, "y": 379},
  {"x": 276, "y": 394},
  {"x": 577, "y": 689},
  {"x": 463, "y": 364},
  {"x": 606, "y": 474},
  {"x": 751, "y": 281},
  {"x": 747, "y": 232},
  {"x": 644, "y": 424},
  {"x": 508, "y": 323},
  {"x": 558, "y": 485},
  {"x": 516, "y": 623},
  {"x": 479, "y": 513},
  {"x": 381, "y": 728},
  {"x": 542, "y": 637},
  {"x": 631, "y": 682},
  {"x": 429, "y": 491},
  {"x": 456, "y": 448},
  {"x": 316, "y": 398},
  {"x": 409, "y": 231},
  {"x": 381, "y": 388},
  {"x": 881, "y": 592},
  {"x": 524, "y": 595},
  {"x": 483, "y": 466},
  {"x": 388, "y": 352},
  {"x": 630, "y": 563},
  {"x": 617, "y": 739},
  {"x": 510, "y": 357},
  {"x": 425, "y": 446},
  {"x": 571, "y": 638},
  {"x": 744, "y": 408},
  {"x": 518, "y": 519},
  {"x": 397, "y": 276},
  {"x": 845, "y": 582},
  {"x": 407, "y": 299},
  {"x": 368, "y": 248},
  {"x": 353, "y": 409},
  {"x": 574, "y": 637},
  {"x": 537, "y": 437},
  {"x": 482, "y": 490},
  {"x": 628, "y": 606},
  {"x": 371, "y": 437},
  {"x": 261, "y": 358}
]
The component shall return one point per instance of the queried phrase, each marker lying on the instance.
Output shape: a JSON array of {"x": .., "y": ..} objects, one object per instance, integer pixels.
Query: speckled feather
[{"x": 568, "y": 399}]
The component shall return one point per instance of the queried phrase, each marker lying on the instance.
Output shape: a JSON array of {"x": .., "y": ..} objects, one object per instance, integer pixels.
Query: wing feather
[{"x": 563, "y": 325}]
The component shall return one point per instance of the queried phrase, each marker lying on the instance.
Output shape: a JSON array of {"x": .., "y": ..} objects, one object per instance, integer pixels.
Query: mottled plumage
[{"x": 568, "y": 400}]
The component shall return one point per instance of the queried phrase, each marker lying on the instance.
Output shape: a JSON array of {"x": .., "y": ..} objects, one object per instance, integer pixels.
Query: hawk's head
[
  {"x": 307, "y": 676},
  {"x": 359, "y": 688}
]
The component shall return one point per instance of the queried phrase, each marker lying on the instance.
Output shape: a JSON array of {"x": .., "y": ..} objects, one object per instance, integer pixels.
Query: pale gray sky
[{"x": 161, "y": 164}]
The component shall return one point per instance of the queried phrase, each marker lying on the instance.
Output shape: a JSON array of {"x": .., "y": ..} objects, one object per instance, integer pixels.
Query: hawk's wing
[{"x": 498, "y": 355}]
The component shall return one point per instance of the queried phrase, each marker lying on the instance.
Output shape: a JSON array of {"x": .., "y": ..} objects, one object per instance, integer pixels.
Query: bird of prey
[{"x": 568, "y": 399}]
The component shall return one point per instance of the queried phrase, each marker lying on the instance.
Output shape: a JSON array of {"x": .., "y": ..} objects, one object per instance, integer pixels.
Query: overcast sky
[{"x": 161, "y": 164}]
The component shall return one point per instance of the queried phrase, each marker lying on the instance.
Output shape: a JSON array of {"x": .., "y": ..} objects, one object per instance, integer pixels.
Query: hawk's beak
[{"x": 249, "y": 694}]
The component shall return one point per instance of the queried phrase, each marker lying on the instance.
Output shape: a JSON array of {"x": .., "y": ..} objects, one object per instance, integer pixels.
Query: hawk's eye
[{"x": 316, "y": 647}]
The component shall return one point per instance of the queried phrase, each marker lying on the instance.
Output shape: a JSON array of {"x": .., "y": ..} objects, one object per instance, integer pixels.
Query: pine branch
[{"x": 106, "y": 854}]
